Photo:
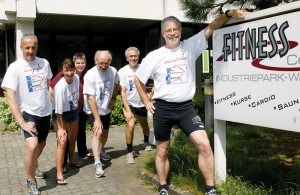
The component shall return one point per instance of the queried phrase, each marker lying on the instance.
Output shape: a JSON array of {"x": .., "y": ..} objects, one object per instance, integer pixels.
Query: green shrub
[
  {"x": 117, "y": 117},
  {"x": 6, "y": 117},
  {"x": 199, "y": 105}
]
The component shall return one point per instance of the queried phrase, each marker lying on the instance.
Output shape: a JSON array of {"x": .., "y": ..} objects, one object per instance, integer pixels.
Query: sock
[
  {"x": 129, "y": 148},
  {"x": 97, "y": 162},
  {"x": 165, "y": 186},
  {"x": 209, "y": 188},
  {"x": 146, "y": 138}
]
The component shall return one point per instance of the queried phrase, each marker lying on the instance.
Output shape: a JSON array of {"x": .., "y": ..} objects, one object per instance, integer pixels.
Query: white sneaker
[
  {"x": 104, "y": 156},
  {"x": 130, "y": 158},
  {"x": 98, "y": 170},
  {"x": 147, "y": 146}
]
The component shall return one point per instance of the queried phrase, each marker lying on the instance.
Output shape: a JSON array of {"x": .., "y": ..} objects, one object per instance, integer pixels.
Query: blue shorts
[
  {"x": 168, "y": 114},
  {"x": 104, "y": 119},
  {"x": 69, "y": 116},
  {"x": 42, "y": 125}
]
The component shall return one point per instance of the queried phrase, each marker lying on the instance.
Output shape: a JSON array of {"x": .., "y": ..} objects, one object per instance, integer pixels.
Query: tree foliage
[{"x": 203, "y": 10}]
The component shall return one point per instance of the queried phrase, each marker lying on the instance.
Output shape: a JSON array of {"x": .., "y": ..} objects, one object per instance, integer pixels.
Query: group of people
[{"x": 76, "y": 95}]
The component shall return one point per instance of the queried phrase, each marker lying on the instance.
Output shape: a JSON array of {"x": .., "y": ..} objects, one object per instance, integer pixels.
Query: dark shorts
[
  {"x": 69, "y": 116},
  {"x": 104, "y": 119},
  {"x": 42, "y": 125},
  {"x": 140, "y": 111},
  {"x": 168, "y": 114}
]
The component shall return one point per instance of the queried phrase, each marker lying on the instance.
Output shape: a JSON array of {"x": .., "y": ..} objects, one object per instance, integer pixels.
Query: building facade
[{"x": 64, "y": 27}]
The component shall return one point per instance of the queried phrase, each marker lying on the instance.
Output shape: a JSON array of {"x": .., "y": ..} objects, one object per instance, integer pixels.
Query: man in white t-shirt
[
  {"x": 132, "y": 102},
  {"x": 101, "y": 86},
  {"x": 26, "y": 83},
  {"x": 172, "y": 68}
]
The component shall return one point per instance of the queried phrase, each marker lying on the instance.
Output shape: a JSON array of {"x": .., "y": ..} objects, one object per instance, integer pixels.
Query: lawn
[{"x": 259, "y": 161}]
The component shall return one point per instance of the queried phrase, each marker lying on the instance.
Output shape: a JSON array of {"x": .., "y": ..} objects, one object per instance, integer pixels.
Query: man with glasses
[
  {"x": 101, "y": 85},
  {"x": 172, "y": 68}
]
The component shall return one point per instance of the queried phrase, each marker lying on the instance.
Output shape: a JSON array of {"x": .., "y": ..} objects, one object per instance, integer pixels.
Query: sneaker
[
  {"x": 32, "y": 188},
  {"x": 98, "y": 170},
  {"x": 147, "y": 146},
  {"x": 104, "y": 156},
  {"x": 130, "y": 158},
  {"x": 212, "y": 192},
  {"x": 39, "y": 174},
  {"x": 163, "y": 191}
]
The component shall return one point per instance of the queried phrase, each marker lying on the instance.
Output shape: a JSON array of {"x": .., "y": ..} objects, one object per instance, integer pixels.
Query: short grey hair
[
  {"x": 132, "y": 49},
  {"x": 168, "y": 19},
  {"x": 98, "y": 53},
  {"x": 28, "y": 36}
]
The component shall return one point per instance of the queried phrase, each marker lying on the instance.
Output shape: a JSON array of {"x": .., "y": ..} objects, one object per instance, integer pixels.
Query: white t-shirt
[
  {"x": 29, "y": 80},
  {"x": 101, "y": 86},
  {"x": 66, "y": 95},
  {"x": 126, "y": 75},
  {"x": 173, "y": 70}
]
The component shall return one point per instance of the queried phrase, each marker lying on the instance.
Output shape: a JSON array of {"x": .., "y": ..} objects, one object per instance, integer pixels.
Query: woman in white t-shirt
[{"x": 66, "y": 95}]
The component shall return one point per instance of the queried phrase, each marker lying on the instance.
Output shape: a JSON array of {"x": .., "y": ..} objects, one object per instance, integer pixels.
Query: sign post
[{"x": 256, "y": 76}]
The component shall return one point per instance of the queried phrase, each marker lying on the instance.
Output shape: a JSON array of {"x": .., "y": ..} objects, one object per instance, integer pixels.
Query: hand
[
  {"x": 61, "y": 135},
  {"x": 97, "y": 128},
  {"x": 30, "y": 128},
  {"x": 238, "y": 14},
  {"x": 150, "y": 107},
  {"x": 128, "y": 116}
]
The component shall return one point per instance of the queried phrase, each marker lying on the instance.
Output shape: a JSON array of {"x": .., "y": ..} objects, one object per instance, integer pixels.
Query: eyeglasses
[
  {"x": 103, "y": 63},
  {"x": 170, "y": 30}
]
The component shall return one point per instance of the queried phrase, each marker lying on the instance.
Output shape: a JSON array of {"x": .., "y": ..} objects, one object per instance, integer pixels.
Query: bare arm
[
  {"x": 51, "y": 94},
  {"x": 142, "y": 91},
  {"x": 97, "y": 126},
  {"x": 15, "y": 110},
  {"x": 129, "y": 114},
  {"x": 114, "y": 95},
  {"x": 61, "y": 132},
  {"x": 222, "y": 19}
]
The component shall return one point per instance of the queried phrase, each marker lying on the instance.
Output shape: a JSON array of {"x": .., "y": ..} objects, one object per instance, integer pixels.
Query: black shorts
[
  {"x": 42, "y": 125},
  {"x": 168, "y": 114},
  {"x": 140, "y": 111},
  {"x": 69, "y": 116},
  {"x": 104, "y": 119}
]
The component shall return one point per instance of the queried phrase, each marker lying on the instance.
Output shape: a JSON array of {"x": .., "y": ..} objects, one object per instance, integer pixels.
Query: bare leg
[
  {"x": 60, "y": 155},
  {"x": 206, "y": 157},
  {"x": 31, "y": 157},
  {"x": 144, "y": 124},
  {"x": 72, "y": 129},
  {"x": 96, "y": 147},
  {"x": 130, "y": 131},
  {"x": 104, "y": 137},
  {"x": 162, "y": 162}
]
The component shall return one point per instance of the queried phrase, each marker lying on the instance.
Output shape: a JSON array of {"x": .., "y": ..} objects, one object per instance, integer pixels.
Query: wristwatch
[{"x": 226, "y": 13}]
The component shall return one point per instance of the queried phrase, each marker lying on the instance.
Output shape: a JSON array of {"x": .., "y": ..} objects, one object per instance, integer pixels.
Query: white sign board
[{"x": 257, "y": 72}]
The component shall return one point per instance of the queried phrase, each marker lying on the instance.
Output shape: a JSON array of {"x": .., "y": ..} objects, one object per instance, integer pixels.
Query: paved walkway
[{"x": 121, "y": 178}]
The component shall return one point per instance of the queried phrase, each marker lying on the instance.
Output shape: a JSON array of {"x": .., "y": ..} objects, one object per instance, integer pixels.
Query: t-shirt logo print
[
  {"x": 35, "y": 82},
  {"x": 196, "y": 120}
]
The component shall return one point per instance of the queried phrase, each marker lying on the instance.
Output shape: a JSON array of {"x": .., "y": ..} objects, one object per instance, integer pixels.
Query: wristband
[{"x": 226, "y": 13}]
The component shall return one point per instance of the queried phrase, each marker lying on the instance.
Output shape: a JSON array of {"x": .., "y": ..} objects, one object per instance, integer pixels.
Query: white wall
[{"x": 143, "y": 9}]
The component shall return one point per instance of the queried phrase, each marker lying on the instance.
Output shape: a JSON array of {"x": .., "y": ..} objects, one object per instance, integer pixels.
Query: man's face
[
  {"x": 133, "y": 58},
  {"x": 103, "y": 61},
  {"x": 172, "y": 33},
  {"x": 29, "y": 48},
  {"x": 79, "y": 66}
]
